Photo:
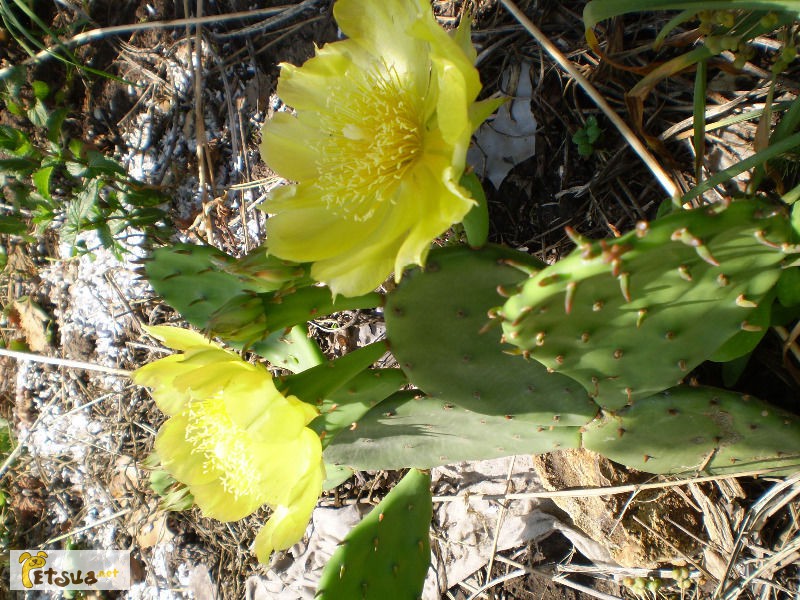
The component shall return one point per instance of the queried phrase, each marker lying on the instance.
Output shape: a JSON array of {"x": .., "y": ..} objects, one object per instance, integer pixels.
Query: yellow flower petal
[
  {"x": 232, "y": 437},
  {"x": 288, "y": 523},
  {"x": 160, "y": 376},
  {"x": 182, "y": 460},
  {"x": 359, "y": 272},
  {"x": 177, "y": 338},
  {"x": 383, "y": 112},
  {"x": 289, "y": 147},
  {"x": 216, "y": 504},
  {"x": 313, "y": 234},
  {"x": 382, "y": 27},
  {"x": 301, "y": 89},
  {"x": 284, "y": 464}
]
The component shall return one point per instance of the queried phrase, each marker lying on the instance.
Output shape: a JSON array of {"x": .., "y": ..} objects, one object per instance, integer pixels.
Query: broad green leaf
[
  {"x": 41, "y": 179},
  {"x": 75, "y": 169},
  {"x": 41, "y": 90},
  {"x": 142, "y": 196},
  {"x": 98, "y": 163},
  {"x": 38, "y": 114},
  {"x": 19, "y": 167},
  {"x": 12, "y": 225},
  {"x": 14, "y": 141},
  {"x": 55, "y": 123},
  {"x": 80, "y": 211}
]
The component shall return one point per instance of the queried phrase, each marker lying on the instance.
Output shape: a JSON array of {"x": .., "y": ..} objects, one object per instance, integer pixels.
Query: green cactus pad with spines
[
  {"x": 387, "y": 555},
  {"x": 745, "y": 342},
  {"x": 685, "y": 429},
  {"x": 344, "y": 407},
  {"x": 436, "y": 325},
  {"x": 411, "y": 430},
  {"x": 260, "y": 272},
  {"x": 632, "y": 316},
  {"x": 188, "y": 278},
  {"x": 249, "y": 317},
  {"x": 318, "y": 383}
]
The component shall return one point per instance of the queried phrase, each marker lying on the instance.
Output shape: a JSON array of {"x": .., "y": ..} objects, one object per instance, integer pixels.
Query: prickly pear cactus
[
  {"x": 343, "y": 408},
  {"x": 190, "y": 280},
  {"x": 440, "y": 333},
  {"x": 632, "y": 316},
  {"x": 412, "y": 430},
  {"x": 187, "y": 277},
  {"x": 249, "y": 317},
  {"x": 387, "y": 555},
  {"x": 698, "y": 428}
]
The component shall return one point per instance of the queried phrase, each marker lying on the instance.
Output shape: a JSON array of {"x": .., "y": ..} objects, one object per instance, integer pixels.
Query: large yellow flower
[
  {"x": 233, "y": 438},
  {"x": 378, "y": 145}
]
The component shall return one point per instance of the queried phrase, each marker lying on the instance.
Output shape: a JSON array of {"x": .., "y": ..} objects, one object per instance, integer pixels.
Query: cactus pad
[
  {"x": 387, "y": 555},
  {"x": 698, "y": 428},
  {"x": 189, "y": 279},
  {"x": 436, "y": 324},
  {"x": 632, "y": 316},
  {"x": 411, "y": 430}
]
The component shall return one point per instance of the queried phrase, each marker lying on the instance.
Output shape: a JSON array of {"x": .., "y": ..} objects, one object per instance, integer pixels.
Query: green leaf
[
  {"x": 14, "y": 108},
  {"x": 38, "y": 114},
  {"x": 79, "y": 211},
  {"x": 6, "y": 440},
  {"x": 55, "y": 123},
  {"x": 12, "y": 225},
  {"x": 142, "y": 196},
  {"x": 76, "y": 147},
  {"x": 98, "y": 163},
  {"x": 14, "y": 141},
  {"x": 75, "y": 169},
  {"x": 41, "y": 179},
  {"x": 40, "y": 89},
  {"x": 599, "y": 10},
  {"x": 174, "y": 495},
  {"x": 759, "y": 158},
  {"x": 21, "y": 167},
  {"x": 143, "y": 217}
]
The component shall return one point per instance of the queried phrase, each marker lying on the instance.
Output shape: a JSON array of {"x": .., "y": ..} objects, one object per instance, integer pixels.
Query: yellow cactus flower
[
  {"x": 378, "y": 146},
  {"x": 233, "y": 438}
]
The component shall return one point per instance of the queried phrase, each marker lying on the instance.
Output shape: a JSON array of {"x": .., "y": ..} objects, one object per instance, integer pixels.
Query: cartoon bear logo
[{"x": 29, "y": 563}]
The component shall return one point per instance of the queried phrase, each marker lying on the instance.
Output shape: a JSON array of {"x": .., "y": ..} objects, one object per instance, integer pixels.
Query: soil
[{"x": 646, "y": 530}]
